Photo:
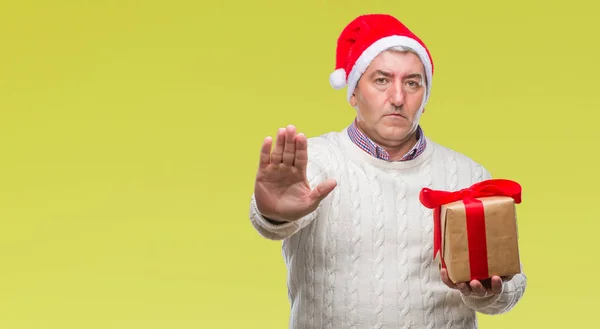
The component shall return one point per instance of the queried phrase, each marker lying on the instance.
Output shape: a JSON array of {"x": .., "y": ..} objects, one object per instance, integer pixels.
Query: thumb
[{"x": 322, "y": 190}]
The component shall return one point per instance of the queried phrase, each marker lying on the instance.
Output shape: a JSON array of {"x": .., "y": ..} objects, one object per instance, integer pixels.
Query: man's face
[{"x": 388, "y": 97}]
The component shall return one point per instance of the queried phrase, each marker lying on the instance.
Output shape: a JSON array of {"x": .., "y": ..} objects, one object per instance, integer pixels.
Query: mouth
[{"x": 395, "y": 115}]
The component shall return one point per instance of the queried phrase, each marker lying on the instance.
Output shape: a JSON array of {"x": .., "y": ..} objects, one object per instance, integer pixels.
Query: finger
[
  {"x": 289, "y": 147},
  {"x": 277, "y": 155},
  {"x": 265, "y": 151},
  {"x": 477, "y": 288},
  {"x": 301, "y": 159},
  {"x": 496, "y": 285},
  {"x": 322, "y": 190},
  {"x": 446, "y": 279},
  {"x": 464, "y": 288},
  {"x": 486, "y": 283}
]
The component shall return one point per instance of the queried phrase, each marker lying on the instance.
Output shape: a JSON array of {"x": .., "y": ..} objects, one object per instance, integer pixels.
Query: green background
[{"x": 130, "y": 133}]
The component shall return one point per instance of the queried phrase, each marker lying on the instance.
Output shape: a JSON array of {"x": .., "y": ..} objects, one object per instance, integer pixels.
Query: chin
[{"x": 394, "y": 133}]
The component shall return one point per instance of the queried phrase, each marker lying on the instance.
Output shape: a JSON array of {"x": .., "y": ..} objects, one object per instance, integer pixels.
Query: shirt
[{"x": 367, "y": 145}]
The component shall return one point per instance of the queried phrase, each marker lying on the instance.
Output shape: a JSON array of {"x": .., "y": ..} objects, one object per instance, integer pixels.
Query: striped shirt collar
[{"x": 367, "y": 145}]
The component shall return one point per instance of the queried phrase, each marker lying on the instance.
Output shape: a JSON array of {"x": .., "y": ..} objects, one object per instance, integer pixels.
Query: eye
[
  {"x": 380, "y": 80},
  {"x": 413, "y": 84}
]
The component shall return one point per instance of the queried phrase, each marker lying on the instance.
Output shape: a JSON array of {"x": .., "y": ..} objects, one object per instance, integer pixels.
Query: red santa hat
[{"x": 366, "y": 37}]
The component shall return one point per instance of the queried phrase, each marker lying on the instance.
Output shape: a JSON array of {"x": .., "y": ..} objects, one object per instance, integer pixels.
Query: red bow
[{"x": 434, "y": 199}]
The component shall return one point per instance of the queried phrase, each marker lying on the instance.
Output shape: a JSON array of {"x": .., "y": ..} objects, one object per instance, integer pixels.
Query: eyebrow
[
  {"x": 389, "y": 74},
  {"x": 380, "y": 72},
  {"x": 414, "y": 75}
]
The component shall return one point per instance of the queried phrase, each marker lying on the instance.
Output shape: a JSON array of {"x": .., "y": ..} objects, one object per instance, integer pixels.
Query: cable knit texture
[{"x": 364, "y": 258}]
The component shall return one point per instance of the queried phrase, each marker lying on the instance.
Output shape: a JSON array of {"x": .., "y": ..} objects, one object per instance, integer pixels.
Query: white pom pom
[{"x": 337, "y": 79}]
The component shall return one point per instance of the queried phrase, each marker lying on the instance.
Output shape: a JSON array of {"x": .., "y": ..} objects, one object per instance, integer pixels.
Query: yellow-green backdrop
[{"x": 130, "y": 134}]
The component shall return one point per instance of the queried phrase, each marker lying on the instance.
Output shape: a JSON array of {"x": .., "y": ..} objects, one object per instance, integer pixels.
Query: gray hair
[{"x": 402, "y": 49}]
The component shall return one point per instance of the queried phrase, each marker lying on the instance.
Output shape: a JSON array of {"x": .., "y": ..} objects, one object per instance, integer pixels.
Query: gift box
[{"x": 475, "y": 229}]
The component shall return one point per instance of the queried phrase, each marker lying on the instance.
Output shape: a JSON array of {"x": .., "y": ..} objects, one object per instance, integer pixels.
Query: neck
[
  {"x": 396, "y": 149},
  {"x": 357, "y": 153}
]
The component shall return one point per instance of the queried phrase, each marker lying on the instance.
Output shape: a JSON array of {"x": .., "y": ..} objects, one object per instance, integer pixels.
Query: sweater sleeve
[
  {"x": 316, "y": 173},
  {"x": 274, "y": 231},
  {"x": 512, "y": 292}
]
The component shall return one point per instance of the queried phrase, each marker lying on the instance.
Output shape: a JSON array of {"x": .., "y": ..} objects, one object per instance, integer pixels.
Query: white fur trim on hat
[
  {"x": 337, "y": 78},
  {"x": 362, "y": 63}
]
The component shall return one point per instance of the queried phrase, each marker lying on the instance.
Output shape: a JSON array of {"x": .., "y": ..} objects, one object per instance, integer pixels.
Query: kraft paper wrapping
[{"x": 501, "y": 238}]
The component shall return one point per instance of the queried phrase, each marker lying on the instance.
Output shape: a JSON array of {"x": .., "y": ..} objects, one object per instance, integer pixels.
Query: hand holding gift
[
  {"x": 478, "y": 288},
  {"x": 475, "y": 232}
]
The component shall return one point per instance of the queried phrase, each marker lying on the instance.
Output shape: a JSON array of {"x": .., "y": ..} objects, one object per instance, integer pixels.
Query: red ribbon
[{"x": 434, "y": 199}]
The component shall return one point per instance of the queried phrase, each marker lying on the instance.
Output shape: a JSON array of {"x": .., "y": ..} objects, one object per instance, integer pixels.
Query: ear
[{"x": 353, "y": 100}]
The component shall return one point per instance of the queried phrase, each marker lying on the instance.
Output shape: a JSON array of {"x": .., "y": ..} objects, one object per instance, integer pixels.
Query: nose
[{"x": 397, "y": 94}]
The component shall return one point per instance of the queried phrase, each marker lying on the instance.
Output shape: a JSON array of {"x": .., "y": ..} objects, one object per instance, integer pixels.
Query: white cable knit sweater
[{"x": 364, "y": 258}]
